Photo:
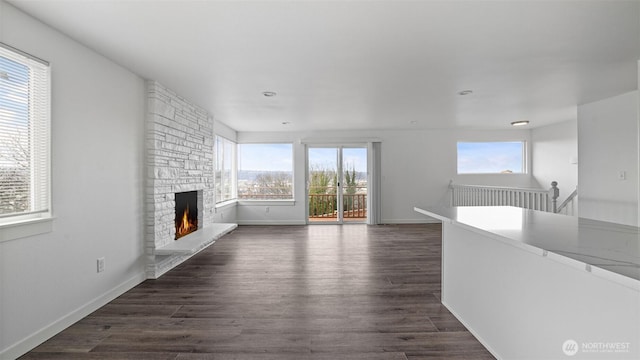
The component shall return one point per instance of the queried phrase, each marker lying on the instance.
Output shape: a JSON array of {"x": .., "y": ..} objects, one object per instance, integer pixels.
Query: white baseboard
[
  {"x": 23, "y": 346},
  {"x": 302, "y": 222},
  {"x": 272, "y": 222},
  {"x": 410, "y": 221}
]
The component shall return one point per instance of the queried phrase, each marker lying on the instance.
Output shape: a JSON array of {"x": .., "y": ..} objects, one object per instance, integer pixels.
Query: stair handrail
[{"x": 568, "y": 200}]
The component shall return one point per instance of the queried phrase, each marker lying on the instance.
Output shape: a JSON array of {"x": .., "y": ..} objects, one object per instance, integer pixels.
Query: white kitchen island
[{"x": 537, "y": 285}]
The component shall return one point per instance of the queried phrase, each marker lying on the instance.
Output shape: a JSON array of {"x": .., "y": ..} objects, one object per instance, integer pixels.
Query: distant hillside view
[
  {"x": 264, "y": 185},
  {"x": 252, "y": 175}
]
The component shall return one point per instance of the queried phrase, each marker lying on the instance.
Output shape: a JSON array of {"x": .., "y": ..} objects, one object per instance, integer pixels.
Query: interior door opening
[{"x": 337, "y": 184}]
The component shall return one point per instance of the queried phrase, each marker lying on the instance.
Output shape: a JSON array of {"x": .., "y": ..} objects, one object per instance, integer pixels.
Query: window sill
[
  {"x": 501, "y": 174},
  {"x": 289, "y": 202},
  {"x": 226, "y": 204},
  {"x": 25, "y": 228}
]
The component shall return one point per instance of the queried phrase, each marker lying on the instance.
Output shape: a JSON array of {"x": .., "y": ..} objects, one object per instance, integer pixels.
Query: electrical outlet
[
  {"x": 622, "y": 175},
  {"x": 266, "y": 209},
  {"x": 100, "y": 263}
]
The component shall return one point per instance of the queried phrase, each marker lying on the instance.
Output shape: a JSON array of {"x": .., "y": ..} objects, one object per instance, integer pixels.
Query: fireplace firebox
[{"x": 186, "y": 213}]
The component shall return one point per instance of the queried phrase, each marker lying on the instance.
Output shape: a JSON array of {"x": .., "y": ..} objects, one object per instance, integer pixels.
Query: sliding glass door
[
  {"x": 336, "y": 184},
  {"x": 354, "y": 184}
]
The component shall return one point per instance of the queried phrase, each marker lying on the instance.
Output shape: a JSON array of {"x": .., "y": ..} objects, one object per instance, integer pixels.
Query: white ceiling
[{"x": 367, "y": 64}]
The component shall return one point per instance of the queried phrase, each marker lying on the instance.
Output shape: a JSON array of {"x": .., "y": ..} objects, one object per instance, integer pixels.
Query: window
[
  {"x": 265, "y": 171},
  {"x": 505, "y": 157},
  {"x": 24, "y": 136},
  {"x": 225, "y": 181}
]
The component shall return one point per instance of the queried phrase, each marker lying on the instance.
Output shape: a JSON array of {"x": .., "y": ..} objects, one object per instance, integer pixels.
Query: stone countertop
[{"x": 612, "y": 249}]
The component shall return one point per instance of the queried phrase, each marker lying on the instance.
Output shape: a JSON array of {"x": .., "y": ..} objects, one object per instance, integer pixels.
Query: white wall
[
  {"x": 417, "y": 166},
  {"x": 49, "y": 281},
  {"x": 554, "y": 148},
  {"x": 607, "y": 145}
]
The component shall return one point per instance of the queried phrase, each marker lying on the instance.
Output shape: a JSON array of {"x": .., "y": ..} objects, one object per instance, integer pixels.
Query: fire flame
[{"x": 185, "y": 226}]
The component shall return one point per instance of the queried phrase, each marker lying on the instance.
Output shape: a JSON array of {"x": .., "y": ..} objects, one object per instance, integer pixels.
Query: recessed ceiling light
[
  {"x": 520, "y": 122},
  {"x": 269, "y": 93},
  {"x": 465, "y": 92},
  {"x": 413, "y": 122}
]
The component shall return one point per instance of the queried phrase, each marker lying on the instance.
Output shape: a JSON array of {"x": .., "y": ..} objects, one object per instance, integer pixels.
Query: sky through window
[{"x": 505, "y": 157}]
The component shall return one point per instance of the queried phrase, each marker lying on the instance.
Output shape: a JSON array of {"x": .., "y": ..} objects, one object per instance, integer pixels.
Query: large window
[
  {"x": 24, "y": 136},
  {"x": 504, "y": 157},
  {"x": 265, "y": 171},
  {"x": 225, "y": 180}
]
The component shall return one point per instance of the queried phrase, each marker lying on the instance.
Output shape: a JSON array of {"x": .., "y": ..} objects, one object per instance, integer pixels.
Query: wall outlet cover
[{"x": 100, "y": 264}]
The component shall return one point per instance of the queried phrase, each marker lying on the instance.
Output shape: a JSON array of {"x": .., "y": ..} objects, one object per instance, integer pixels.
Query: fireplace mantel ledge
[{"x": 194, "y": 242}]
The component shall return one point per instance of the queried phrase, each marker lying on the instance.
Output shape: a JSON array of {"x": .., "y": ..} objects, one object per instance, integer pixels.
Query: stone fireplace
[{"x": 179, "y": 157}]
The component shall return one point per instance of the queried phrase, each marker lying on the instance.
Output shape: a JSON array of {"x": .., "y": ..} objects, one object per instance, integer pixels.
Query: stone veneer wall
[{"x": 179, "y": 158}]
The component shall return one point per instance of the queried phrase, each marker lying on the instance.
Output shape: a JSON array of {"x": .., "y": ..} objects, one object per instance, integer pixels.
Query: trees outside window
[{"x": 322, "y": 188}]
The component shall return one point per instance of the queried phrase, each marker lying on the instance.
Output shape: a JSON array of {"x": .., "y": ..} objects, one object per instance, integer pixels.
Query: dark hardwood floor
[{"x": 284, "y": 292}]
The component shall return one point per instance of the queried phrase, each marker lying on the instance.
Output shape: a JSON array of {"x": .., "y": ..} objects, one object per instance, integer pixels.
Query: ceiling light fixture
[
  {"x": 520, "y": 123},
  {"x": 465, "y": 92},
  {"x": 269, "y": 93},
  {"x": 286, "y": 123}
]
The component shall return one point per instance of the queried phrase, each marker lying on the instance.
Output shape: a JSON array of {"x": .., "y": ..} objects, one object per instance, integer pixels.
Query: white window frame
[
  {"x": 37, "y": 219},
  {"x": 219, "y": 151}
]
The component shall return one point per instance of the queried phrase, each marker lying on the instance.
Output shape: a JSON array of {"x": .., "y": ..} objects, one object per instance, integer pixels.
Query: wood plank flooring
[{"x": 317, "y": 292}]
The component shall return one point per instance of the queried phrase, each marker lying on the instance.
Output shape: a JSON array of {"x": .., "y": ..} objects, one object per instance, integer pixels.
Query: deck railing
[
  {"x": 476, "y": 195},
  {"x": 324, "y": 206}
]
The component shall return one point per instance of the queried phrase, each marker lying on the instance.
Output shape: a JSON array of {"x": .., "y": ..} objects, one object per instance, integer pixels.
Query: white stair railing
[
  {"x": 479, "y": 195},
  {"x": 569, "y": 205}
]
